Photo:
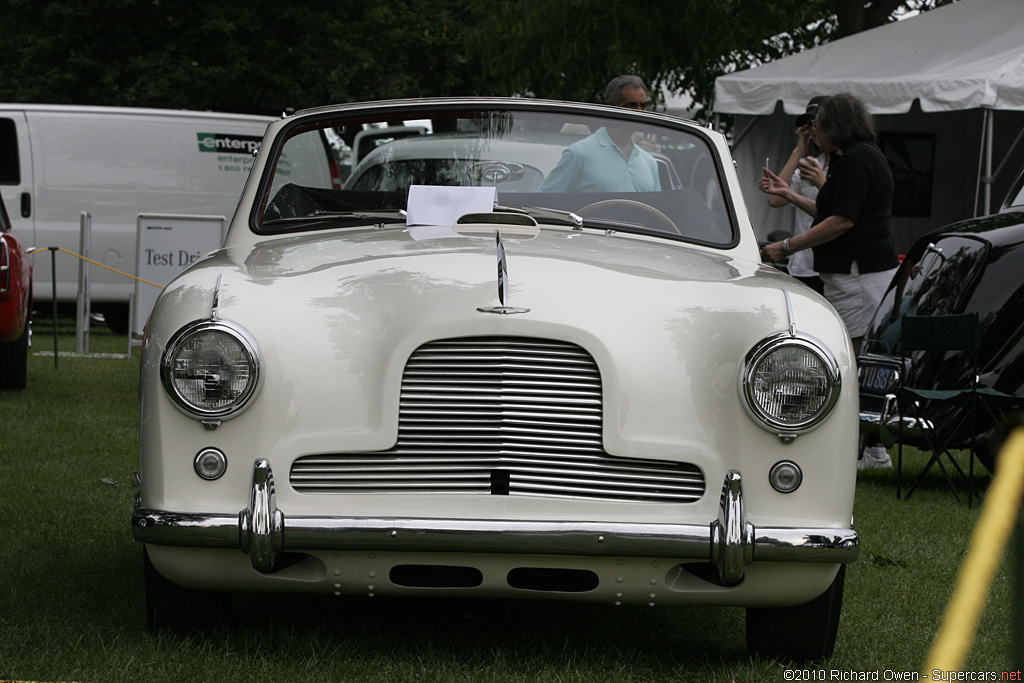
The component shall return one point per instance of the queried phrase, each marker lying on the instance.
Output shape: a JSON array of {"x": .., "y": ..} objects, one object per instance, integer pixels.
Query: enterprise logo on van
[{"x": 222, "y": 142}]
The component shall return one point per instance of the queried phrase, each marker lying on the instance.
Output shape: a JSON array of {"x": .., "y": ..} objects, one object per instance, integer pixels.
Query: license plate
[{"x": 877, "y": 379}]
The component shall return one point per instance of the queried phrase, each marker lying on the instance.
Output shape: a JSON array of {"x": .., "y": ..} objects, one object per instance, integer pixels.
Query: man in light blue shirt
[{"x": 608, "y": 160}]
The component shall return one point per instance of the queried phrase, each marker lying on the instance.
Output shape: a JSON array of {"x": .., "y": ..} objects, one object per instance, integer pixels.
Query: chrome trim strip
[
  {"x": 731, "y": 542},
  {"x": 215, "y": 306},
  {"x": 789, "y": 312}
]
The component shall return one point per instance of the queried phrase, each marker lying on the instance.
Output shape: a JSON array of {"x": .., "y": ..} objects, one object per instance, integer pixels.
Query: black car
[{"x": 976, "y": 265}]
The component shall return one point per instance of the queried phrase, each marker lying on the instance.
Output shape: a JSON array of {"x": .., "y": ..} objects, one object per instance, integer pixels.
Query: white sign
[
  {"x": 434, "y": 205},
  {"x": 167, "y": 244}
]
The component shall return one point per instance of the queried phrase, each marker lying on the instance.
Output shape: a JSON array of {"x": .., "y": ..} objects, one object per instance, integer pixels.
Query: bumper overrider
[{"x": 263, "y": 532}]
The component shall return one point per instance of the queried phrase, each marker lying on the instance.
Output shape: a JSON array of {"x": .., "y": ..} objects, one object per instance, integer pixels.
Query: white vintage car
[{"x": 482, "y": 376}]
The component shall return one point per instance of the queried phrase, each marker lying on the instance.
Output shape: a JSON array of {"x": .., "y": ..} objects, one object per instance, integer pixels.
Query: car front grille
[{"x": 500, "y": 416}]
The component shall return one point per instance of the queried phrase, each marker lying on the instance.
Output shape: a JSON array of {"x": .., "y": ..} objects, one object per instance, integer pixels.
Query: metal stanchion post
[
  {"x": 131, "y": 322},
  {"x": 53, "y": 274},
  {"x": 82, "y": 314}
]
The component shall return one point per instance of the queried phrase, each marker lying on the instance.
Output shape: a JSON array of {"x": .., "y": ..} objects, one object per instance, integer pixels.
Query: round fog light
[
  {"x": 210, "y": 464},
  {"x": 785, "y": 476}
]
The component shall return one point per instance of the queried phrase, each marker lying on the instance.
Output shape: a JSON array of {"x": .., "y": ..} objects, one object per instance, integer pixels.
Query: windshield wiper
[
  {"x": 544, "y": 212},
  {"x": 292, "y": 222},
  {"x": 578, "y": 222}
]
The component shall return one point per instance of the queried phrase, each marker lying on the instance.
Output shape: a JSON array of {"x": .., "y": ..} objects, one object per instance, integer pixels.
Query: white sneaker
[{"x": 874, "y": 457}]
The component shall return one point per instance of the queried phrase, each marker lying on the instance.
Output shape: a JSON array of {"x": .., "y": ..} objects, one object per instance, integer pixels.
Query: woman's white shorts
[{"x": 856, "y": 295}]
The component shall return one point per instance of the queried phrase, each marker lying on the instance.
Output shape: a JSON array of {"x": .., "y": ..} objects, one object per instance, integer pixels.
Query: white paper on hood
[{"x": 443, "y": 205}]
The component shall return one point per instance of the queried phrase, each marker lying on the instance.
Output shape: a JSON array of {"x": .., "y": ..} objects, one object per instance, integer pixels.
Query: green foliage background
[{"x": 262, "y": 57}]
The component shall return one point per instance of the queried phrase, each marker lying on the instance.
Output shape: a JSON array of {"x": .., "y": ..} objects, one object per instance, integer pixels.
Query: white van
[{"x": 115, "y": 164}]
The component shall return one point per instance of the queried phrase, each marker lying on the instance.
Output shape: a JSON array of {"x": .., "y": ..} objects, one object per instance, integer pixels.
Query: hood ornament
[{"x": 503, "y": 286}]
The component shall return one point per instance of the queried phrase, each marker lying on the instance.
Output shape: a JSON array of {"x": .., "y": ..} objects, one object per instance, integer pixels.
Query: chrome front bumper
[
  {"x": 886, "y": 422},
  {"x": 262, "y": 530}
]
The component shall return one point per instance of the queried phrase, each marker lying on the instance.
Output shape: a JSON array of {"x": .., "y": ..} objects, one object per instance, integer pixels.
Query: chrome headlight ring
[
  {"x": 789, "y": 384},
  {"x": 211, "y": 369}
]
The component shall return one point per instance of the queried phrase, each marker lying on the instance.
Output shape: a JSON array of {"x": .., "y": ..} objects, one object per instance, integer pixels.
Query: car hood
[
  {"x": 347, "y": 310},
  {"x": 582, "y": 278}
]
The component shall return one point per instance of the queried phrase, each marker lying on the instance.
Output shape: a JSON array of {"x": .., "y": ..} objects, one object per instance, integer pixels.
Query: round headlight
[
  {"x": 789, "y": 384},
  {"x": 211, "y": 369}
]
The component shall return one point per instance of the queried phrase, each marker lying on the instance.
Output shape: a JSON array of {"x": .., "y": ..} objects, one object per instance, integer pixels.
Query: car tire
[
  {"x": 14, "y": 363},
  {"x": 184, "y": 610},
  {"x": 797, "y": 634},
  {"x": 987, "y": 456}
]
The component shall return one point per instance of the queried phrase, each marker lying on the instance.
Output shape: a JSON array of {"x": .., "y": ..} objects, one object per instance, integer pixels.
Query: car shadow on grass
[{"x": 477, "y": 628}]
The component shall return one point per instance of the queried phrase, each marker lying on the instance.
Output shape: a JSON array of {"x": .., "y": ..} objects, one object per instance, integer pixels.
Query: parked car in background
[
  {"x": 975, "y": 265},
  {"x": 428, "y": 160},
  {"x": 15, "y": 306},
  {"x": 450, "y": 382}
]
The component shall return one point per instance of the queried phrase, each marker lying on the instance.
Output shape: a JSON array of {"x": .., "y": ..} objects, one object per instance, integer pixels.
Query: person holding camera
[
  {"x": 850, "y": 235},
  {"x": 805, "y": 173}
]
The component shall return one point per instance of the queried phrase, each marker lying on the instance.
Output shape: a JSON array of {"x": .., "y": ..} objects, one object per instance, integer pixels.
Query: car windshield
[
  {"x": 933, "y": 279},
  {"x": 635, "y": 173}
]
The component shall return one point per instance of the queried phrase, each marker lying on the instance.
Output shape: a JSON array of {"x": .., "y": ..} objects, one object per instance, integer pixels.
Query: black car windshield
[
  {"x": 632, "y": 173},
  {"x": 934, "y": 279}
]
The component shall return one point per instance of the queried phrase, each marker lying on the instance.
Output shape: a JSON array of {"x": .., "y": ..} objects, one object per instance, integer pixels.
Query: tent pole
[
  {"x": 981, "y": 163},
  {"x": 1006, "y": 155},
  {"x": 989, "y": 117},
  {"x": 743, "y": 133}
]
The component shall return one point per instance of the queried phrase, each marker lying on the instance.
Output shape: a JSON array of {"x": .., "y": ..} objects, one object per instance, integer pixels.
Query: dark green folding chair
[{"x": 920, "y": 407}]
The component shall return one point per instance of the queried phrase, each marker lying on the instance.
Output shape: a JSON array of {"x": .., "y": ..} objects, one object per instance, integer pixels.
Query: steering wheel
[{"x": 633, "y": 204}]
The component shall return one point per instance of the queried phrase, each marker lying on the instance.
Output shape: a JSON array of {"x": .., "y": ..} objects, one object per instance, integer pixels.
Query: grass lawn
[{"x": 71, "y": 599}]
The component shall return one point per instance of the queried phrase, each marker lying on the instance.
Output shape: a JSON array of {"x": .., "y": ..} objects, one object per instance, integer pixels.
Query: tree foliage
[
  {"x": 255, "y": 56},
  {"x": 568, "y": 49},
  {"x": 574, "y": 46},
  {"x": 263, "y": 57}
]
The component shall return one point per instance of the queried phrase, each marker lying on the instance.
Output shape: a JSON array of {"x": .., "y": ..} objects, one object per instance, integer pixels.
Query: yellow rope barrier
[
  {"x": 1001, "y": 507},
  {"x": 96, "y": 263}
]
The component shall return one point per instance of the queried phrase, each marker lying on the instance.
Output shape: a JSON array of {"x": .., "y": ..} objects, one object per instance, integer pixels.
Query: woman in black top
[{"x": 854, "y": 251}]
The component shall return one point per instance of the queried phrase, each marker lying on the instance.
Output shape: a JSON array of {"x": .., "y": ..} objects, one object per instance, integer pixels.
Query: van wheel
[
  {"x": 798, "y": 634},
  {"x": 184, "y": 610},
  {"x": 14, "y": 363}
]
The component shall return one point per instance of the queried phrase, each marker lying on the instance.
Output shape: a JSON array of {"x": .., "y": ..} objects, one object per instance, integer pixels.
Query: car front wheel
[{"x": 801, "y": 633}]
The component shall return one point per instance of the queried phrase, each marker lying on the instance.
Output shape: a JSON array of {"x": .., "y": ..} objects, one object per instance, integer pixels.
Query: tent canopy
[{"x": 966, "y": 55}]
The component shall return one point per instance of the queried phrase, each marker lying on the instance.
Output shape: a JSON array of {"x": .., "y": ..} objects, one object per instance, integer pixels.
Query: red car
[{"x": 15, "y": 306}]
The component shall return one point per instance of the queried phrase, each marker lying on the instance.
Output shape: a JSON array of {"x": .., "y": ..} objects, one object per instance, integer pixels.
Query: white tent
[{"x": 938, "y": 79}]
